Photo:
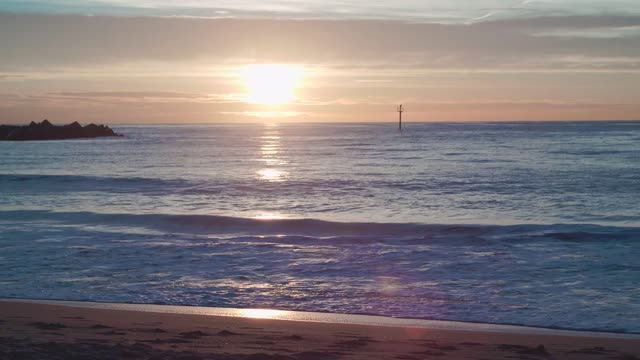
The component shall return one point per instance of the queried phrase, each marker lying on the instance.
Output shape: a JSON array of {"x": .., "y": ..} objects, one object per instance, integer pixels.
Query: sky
[{"x": 160, "y": 61}]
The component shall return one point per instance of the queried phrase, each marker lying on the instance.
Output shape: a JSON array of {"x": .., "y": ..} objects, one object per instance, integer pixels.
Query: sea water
[{"x": 513, "y": 223}]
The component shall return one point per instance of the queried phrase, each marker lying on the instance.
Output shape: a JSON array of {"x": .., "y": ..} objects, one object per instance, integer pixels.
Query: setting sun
[{"x": 271, "y": 84}]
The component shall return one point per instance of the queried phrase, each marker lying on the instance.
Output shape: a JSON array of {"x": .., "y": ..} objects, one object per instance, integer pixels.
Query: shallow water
[{"x": 442, "y": 221}]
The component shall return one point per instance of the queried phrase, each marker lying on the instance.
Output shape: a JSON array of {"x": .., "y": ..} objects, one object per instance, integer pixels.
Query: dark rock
[
  {"x": 597, "y": 350},
  {"x": 525, "y": 350},
  {"x": 155, "y": 331},
  {"x": 193, "y": 334},
  {"x": 48, "y": 326},
  {"x": 47, "y": 131},
  {"x": 226, "y": 333},
  {"x": 262, "y": 356},
  {"x": 318, "y": 355},
  {"x": 100, "y": 326},
  {"x": 539, "y": 350},
  {"x": 355, "y": 343}
]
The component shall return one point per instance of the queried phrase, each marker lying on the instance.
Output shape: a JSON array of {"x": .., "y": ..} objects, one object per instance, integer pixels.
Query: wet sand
[{"x": 45, "y": 331}]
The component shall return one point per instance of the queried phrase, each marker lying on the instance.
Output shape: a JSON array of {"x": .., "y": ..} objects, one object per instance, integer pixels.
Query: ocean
[{"x": 529, "y": 223}]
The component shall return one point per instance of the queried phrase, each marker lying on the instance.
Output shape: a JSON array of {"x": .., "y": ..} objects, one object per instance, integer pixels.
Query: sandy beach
[{"x": 45, "y": 331}]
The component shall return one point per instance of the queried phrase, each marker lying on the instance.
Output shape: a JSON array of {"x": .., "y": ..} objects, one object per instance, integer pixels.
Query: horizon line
[{"x": 330, "y": 122}]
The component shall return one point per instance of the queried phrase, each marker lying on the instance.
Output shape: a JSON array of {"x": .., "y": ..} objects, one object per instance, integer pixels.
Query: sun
[{"x": 271, "y": 84}]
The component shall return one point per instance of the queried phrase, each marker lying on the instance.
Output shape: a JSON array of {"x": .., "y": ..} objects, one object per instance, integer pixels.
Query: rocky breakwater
[{"x": 47, "y": 131}]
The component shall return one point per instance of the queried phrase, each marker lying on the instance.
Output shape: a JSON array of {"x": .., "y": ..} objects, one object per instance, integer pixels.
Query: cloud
[
  {"x": 139, "y": 96},
  {"x": 595, "y": 33},
  {"x": 182, "y": 108},
  {"x": 45, "y": 41},
  {"x": 443, "y": 11},
  {"x": 11, "y": 77}
]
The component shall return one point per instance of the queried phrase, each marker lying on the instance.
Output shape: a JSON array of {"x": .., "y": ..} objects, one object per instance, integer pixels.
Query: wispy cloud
[
  {"x": 72, "y": 41},
  {"x": 460, "y": 11},
  {"x": 594, "y": 33},
  {"x": 11, "y": 77}
]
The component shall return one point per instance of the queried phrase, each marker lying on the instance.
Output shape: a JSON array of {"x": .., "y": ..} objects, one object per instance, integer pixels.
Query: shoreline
[
  {"x": 44, "y": 330},
  {"x": 328, "y": 318}
]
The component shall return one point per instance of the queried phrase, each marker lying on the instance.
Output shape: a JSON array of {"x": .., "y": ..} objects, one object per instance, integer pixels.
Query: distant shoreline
[{"x": 390, "y": 122}]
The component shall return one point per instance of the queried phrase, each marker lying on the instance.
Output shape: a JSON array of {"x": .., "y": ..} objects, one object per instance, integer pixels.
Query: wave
[
  {"x": 79, "y": 183},
  {"x": 344, "y": 231},
  {"x": 359, "y": 190},
  {"x": 448, "y": 272}
]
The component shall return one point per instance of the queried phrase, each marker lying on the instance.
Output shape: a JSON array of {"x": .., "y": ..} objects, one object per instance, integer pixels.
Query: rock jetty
[{"x": 47, "y": 131}]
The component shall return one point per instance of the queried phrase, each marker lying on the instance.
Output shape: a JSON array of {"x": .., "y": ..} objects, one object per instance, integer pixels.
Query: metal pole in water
[{"x": 400, "y": 111}]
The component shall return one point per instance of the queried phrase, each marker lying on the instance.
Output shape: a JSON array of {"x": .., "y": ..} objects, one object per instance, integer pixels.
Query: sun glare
[
  {"x": 271, "y": 84},
  {"x": 262, "y": 313}
]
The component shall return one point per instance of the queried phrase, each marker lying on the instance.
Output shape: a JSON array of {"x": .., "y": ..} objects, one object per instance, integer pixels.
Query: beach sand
[{"x": 44, "y": 331}]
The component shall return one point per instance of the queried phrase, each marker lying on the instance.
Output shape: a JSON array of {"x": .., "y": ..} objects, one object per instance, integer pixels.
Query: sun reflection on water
[
  {"x": 269, "y": 216},
  {"x": 272, "y": 175},
  {"x": 271, "y": 155},
  {"x": 263, "y": 313}
]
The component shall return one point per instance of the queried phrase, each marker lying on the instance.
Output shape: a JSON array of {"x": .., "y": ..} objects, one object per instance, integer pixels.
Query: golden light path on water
[
  {"x": 269, "y": 216},
  {"x": 271, "y": 159},
  {"x": 270, "y": 150},
  {"x": 271, "y": 174}
]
